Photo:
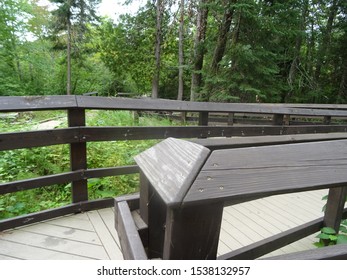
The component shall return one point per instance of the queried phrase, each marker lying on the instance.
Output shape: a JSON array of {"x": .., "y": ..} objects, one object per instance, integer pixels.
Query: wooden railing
[{"x": 281, "y": 119}]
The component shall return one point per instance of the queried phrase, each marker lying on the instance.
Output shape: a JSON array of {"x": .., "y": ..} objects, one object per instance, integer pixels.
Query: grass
[{"x": 35, "y": 162}]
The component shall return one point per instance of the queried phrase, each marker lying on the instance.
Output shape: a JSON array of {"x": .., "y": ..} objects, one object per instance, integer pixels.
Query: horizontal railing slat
[
  {"x": 19, "y": 140},
  {"x": 40, "y": 138},
  {"x": 275, "y": 242},
  {"x": 111, "y": 171},
  {"x": 43, "y": 181},
  {"x": 67, "y": 177},
  {"x": 57, "y": 212},
  {"x": 187, "y": 106},
  {"x": 32, "y": 103}
]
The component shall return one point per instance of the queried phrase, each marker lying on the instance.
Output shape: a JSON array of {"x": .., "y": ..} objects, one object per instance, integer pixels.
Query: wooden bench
[{"x": 185, "y": 186}]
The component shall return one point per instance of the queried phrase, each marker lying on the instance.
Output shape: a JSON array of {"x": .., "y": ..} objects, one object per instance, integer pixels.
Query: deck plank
[
  {"x": 56, "y": 244},
  {"x": 111, "y": 247},
  {"x": 92, "y": 235},
  {"x": 73, "y": 222},
  {"x": 15, "y": 250},
  {"x": 107, "y": 216},
  {"x": 64, "y": 233}
]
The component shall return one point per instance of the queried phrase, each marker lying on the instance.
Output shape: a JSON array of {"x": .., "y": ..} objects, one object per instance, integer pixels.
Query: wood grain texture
[
  {"x": 57, "y": 212},
  {"x": 334, "y": 207},
  {"x": 336, "y": 252},
  {"x": 16, "y": 103},
  {"x": 241, "y": 142},
  {"x": 132, "y": 247},
  {"x": 29, "y": 139},
  {"x": 32, "y": 103},
  {"x": 171, "y": 166},
  {"x": 237, "y": 175},
  {"x": 192, "y": 233},
  {"x": 172, "y": 105}
]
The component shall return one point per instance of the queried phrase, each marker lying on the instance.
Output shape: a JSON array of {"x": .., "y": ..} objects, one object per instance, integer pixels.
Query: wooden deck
[{"x": 91, "y": 235}]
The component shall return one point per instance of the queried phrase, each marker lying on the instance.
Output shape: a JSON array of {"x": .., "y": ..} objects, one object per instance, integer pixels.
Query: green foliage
[
  {"x": 31, "y": 163},
  {"x": 329, "y": 236}
]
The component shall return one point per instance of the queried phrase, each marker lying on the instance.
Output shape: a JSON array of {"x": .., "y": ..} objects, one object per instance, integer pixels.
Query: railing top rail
[{"x": 32, "y": 103}]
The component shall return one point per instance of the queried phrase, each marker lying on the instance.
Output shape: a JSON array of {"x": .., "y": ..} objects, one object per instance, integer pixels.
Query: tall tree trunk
[
  {"x": 181, "y": 53},
  {"x": 68, "y": 76},
  {"x": 156, "y": 74},
  {"x": 298, "y": 43},
  {"x": 222, "y": 39},
  {"x": 325, "y": 40},
  {"x": 342, "y": 96},
  {"x": 219, "y": 50},
  {"x": 199, "y": 50}
]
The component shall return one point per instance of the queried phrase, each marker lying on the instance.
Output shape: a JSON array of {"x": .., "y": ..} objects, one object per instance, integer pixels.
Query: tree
[
  {"x": 181, "y": 52},
  {"x": 160, "y": 7},
  {"x": 199, "y": 49},
  {"x": 72, "y": 16}
]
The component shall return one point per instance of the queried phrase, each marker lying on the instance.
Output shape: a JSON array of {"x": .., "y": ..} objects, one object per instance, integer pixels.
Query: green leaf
[
  {"x": 325, "y": 197},
  {"x": 328, "y": 230},
  {"x": 333, "y": 237},
  {"x": 341, "y": 239},
  {"x": 323, "y": 236},
  {"x": 318, "y": 244}
]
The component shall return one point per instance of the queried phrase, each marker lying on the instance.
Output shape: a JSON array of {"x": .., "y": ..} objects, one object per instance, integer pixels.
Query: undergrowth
[{"x": 31, "y": 163}]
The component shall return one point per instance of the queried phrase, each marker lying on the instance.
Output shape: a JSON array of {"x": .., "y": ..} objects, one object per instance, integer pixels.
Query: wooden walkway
[{"x": 91, "y": 235}]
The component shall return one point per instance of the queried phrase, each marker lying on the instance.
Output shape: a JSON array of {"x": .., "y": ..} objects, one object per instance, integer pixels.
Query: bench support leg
[
  {"x": 192, "y": 233},
  {"x": 334, "y": 207}
]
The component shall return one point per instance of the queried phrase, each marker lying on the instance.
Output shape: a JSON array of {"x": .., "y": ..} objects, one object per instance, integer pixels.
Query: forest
[{"x": 200, "y": 50}]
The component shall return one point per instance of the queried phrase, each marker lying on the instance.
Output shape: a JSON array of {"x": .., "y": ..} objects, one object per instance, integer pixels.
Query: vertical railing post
[
  {"x": 327, "y": 120},
  {"x": 203, "y": 118},
  {"x": 277, "y": 119},
  {"x": 78, "y": 155},
  {"x": 203, "y": 121},
  {"x": 334, "y": 207},
  {"x": 231, "y": 119}
]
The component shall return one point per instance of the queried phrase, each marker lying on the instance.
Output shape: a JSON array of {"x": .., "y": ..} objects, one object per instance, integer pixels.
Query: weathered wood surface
[
  {"x": 237, "y": 175},
  {"x": 32, "y": 103},
  {"x": 74, "y": 135},
  {"x": 171, "y": 166},
  {"x": 334, "y": 207},
  {"x": 241, "y": 142},
  {"x": 132, "y": 247},
  {"x": 62, "y": 178},
  {"x": 258, "y": 222},
  {"x": 11, "y": 104},
  {"x": 192, "y": 233},
  {"x": 336, "y": 252},
  {"x": 78, "y": 156},
  {"x": 57, "y": 212},
  {"x": 86, "y": 236},
  {"x": 270, "y": 244}
]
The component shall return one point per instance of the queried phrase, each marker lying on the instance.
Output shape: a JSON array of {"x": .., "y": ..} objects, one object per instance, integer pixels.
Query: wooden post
[
  {"x": 136, "y": 117},
  {"x": 334, "y": 207},
  {"x": 231, "y": 119},
  {"x": 78, "y": 156},
  {"x": 152, "y": 212},
  {"x": 144, "y": 196},
  {"x": 327, "y": 120},
  {"x": 203, "y": 118},
  {"x": 277, "y": 119},
  {"x": 203, "y": 121},
  {"x": 183, "y": 117},
  {"x": 192, "y": 233}
]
